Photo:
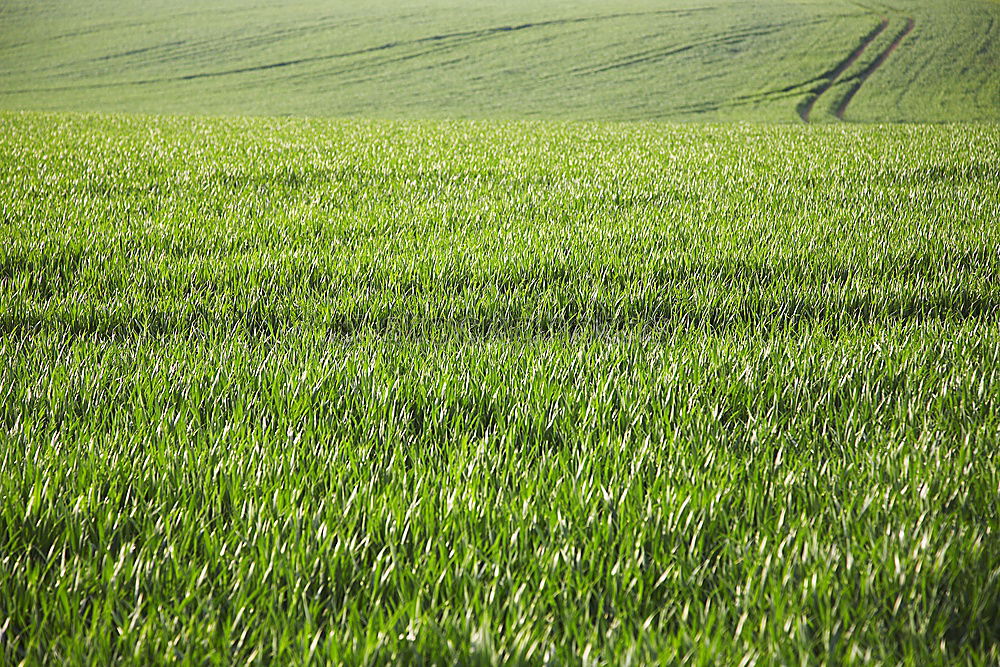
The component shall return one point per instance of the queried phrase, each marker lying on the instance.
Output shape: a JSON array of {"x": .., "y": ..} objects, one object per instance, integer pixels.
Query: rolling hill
[
  {"x": 773, "y": 60},
  {"x": 446, "y": 374}
]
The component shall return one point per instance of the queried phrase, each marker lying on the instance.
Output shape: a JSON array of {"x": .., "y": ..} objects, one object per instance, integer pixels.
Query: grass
[
  {"x": 367, "y": 391},
  {"x": 586, "y": 60}
]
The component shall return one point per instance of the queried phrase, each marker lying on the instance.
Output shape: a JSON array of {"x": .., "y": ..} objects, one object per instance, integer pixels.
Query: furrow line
[
  {"x": 831, "y": 77},
  {"x": 841, "y": 107}
]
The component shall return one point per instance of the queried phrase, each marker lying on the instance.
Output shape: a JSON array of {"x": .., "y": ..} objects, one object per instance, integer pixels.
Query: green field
[
  {"x": 708, "y": 60},
  {"x": 357, "y": 391},
  {"x": 415, "y": 335}
]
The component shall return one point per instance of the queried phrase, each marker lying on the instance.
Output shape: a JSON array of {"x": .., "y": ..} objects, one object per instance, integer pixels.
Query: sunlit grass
[{"x": 392, "y": 392}]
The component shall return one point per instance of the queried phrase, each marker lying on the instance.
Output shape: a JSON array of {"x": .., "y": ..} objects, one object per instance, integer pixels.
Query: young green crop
[
  {"x": 369, "y": 392},
  {"x": 631, "y": 60}
]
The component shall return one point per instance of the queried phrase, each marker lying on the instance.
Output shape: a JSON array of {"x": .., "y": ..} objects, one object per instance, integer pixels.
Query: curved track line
[
  {"x": 830, "y": 77},
  {"x": 432, "y": 39},
  {"x": 841, "y": 107}
]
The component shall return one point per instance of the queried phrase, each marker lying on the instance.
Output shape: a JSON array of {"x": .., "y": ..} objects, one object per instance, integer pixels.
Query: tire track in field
[
  {"x": 720, "y": 39},
  {"x": 465, "y": 35},
  {"x": 831, "y": 77},
  {"x": 845, "y": 101}
]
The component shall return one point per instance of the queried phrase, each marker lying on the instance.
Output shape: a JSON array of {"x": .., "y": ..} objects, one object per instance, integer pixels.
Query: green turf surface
[
  {"x": 390, "y": 391},
  {"x": 909, "y": 60}
]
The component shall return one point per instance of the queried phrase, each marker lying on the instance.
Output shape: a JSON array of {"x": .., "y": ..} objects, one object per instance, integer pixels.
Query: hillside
[{"x": 772, "y": 60}]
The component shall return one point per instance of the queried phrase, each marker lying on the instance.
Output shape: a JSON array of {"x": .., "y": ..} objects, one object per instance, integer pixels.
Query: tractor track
[
  {"x": 832, "y": 76},
  {"x": 845, "y": 101},
  {"x": 436, "y": 39}
]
